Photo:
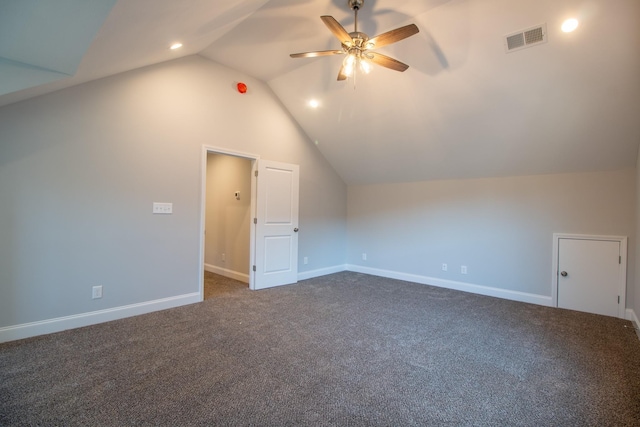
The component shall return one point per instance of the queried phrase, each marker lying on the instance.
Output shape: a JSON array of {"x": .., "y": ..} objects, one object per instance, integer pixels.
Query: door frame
[
  {"x": 206, "y": 149},
  {"x": 622, "y": 278}
]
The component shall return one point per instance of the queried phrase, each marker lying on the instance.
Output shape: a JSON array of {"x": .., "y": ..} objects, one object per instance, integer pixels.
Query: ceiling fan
[{"x": 358, "y": 46}]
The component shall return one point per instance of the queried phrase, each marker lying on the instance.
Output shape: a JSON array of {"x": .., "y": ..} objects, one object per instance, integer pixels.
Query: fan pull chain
[{"x": 355, "y": 73}]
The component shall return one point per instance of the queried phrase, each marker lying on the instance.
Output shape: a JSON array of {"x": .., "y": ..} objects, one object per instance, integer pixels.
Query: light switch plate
[{"x": 162, "y": 208}]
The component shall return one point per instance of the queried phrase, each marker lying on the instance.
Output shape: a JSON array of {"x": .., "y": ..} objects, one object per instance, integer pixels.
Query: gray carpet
[
  {"x": 218, "y": 286},
  {"x": 341, "y": 350}
]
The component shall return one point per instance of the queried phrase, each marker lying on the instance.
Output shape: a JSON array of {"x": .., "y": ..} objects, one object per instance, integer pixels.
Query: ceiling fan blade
[
  {"x": 337, "y": 30},
  {"x": 314, "y": 54},
  {"x": 385, "y": 61},
  {"x": 341, "y": 74},
  {"x": 393, "y": 36}
]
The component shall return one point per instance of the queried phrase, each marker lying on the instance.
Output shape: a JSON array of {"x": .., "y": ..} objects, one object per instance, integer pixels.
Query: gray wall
[
  {"x": 228, "y": 220},
  {"x": 80, "y": 169},
  {"x": 636, "y": 296},
  {"x": 500, "y": 228}
]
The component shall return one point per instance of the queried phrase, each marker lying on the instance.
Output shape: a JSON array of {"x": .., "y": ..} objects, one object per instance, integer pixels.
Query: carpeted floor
[
  {"x": 340, "y": 350},
  {"x": 216, "y": 285}
]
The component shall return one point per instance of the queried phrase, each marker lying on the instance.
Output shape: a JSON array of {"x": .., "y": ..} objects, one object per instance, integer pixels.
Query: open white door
[{"x": 276, "y": 255}]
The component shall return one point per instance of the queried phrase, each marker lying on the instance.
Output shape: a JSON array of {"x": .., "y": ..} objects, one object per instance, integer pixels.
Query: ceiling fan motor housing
[{"x": 359, "y": 39}]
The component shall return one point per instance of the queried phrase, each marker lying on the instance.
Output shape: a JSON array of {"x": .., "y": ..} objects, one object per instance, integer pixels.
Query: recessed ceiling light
[
  {"x": 176, "y": 46},
  {"x": 314, "y": 103},
  {"x": 569, "y": 25}
]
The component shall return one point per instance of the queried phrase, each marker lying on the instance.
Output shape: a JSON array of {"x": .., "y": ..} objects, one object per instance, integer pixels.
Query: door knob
[
  {"x": 295, "y": 229},
  {"x": 563, "y": 274}
]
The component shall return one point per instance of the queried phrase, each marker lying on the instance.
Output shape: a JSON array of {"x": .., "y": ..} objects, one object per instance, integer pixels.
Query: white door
[
  {"x": 589, "y": 276},
  {"x": 276, "y": 255}
]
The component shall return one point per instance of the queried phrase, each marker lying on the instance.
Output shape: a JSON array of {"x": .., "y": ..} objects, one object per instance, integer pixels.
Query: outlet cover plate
[{"x": 96, "y": 292}]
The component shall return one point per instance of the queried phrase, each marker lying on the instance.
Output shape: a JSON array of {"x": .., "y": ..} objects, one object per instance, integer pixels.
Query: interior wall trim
[
  {"x": 304, "y": 275},
  {"x": 32, "y": 329},
  {"x": 28, "y": 330},
  {"x": 631, "y": 315},
  {"x": 203, "y": 197},
  {"x": 242, "y": 277},
  {"x": 458, "y": 286}
]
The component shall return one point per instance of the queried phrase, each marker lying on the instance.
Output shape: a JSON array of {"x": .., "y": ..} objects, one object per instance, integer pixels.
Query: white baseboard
[
  {"x": 631, "y": 315},
  {"x": 458, "y": 286},
  {"x": 227, "y": 273},
  {"x": 321, "y": 272},
  {"x": 27, "y": 330}
]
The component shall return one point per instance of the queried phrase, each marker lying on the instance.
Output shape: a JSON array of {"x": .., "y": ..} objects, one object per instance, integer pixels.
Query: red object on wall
[{"x": 242, "y": 88}]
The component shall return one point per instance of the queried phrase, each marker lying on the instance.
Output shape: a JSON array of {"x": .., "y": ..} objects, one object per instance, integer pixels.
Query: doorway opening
[{"x": 228, "y": 203}]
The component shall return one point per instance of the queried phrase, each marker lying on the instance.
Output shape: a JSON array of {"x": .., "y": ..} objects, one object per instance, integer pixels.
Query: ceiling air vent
[{"x": 526, "y": 38}]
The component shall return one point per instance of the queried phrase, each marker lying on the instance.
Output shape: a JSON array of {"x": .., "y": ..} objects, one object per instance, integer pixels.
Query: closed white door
[
  {"x": 276, "y": 255},
  {"x": 589, "y": 276}
]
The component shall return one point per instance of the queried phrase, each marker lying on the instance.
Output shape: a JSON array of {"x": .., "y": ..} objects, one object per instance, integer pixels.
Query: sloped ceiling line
[{"x": 43, "y": 41}]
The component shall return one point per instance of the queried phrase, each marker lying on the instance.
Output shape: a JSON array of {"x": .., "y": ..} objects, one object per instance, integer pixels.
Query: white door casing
[
  {"x": 254, "y": 159},
  {"x": 276, "y": 252},
  {"x": 590, "y": 273}
]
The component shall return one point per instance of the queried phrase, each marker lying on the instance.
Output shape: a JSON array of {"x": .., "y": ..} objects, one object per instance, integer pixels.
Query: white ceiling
[
  {"x": 464, "y": 109},
  {"x": 40, "y": 44}
]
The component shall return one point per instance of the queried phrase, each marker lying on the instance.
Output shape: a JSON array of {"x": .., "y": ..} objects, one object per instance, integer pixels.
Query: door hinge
[
  {"x": 255, "y": 220},
  {"x": 254, "y": 268},
  {"x": 620, "y": 259},
  {"x": 256, "y": 173},
  {"x": 618, "y": 299}
]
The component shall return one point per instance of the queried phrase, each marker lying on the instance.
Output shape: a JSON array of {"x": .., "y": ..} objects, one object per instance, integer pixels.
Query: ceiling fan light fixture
[
  {"x": 365, "y": 66},
  {"x": 357, "y": 45},
  {"x": 354, "y": 62},
  {"x": 349, "y": 64}
]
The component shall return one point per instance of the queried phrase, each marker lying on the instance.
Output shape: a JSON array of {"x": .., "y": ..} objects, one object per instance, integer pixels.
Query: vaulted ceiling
[{"x": 464, "y": 109}]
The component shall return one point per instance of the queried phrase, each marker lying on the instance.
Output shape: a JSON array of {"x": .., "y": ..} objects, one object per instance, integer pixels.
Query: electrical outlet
[
  {"x": 305, "y": 260},
  {"x": 96, "y": 292},
  {"x": 444, "y": 267},
  {"x": 364, "y": 256},
  {"x": 463, "y": 269}
]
